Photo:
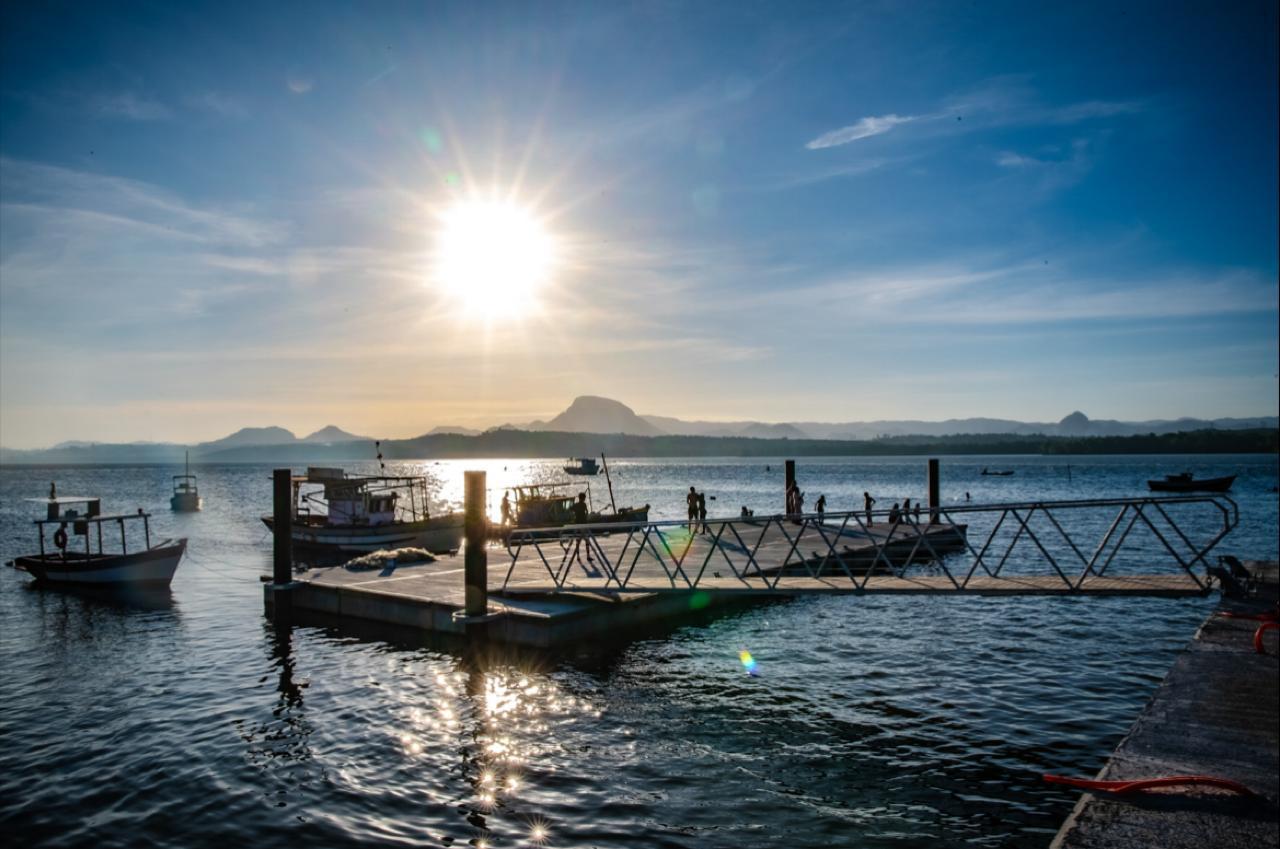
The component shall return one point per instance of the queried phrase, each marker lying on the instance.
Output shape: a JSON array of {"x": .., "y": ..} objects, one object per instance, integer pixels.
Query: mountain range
[{"x": 597, "y": 415}]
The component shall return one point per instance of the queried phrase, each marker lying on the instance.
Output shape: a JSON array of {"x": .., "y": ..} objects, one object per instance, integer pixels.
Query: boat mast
[{"x": 609, "y": 481}]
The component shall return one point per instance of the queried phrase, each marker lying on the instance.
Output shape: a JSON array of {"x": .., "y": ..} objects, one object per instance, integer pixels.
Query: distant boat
[
  {"x": 186, "y": 495},
  {"x": 1186, "y": 482},
  {"x": 151, "y": 566},
  {"x": 367, "y": 513},
  {"x": 997, "y": 474},
  {"x": 582, "y": 466}
]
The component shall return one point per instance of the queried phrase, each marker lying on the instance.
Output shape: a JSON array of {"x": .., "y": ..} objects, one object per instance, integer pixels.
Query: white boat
[
  {"x": 354, "y": 514},
  {"x": 69, "y": 564},
  {"x": 186, "y": 495}
]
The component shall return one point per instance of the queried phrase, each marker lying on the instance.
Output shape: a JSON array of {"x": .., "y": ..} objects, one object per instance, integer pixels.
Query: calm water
[{"x": 873, "y": 722}]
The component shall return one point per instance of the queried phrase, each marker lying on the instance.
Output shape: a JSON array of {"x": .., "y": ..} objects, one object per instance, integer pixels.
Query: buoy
[{"x": 1257, "y": 635}]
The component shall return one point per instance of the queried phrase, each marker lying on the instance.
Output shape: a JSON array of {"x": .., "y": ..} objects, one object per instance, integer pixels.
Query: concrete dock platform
[{"x": 1217, "y": 713}]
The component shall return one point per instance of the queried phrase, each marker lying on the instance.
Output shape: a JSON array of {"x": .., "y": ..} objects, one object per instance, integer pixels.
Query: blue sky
[{"x": 222, "y": 215}]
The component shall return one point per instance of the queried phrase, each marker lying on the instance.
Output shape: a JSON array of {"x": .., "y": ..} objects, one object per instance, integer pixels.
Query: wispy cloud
[
  {"x": 131, "y": 106},
  {"x": 217, "y": 103},
  {"x": 1000, "y": 102},
  {"x": 872, "y": 125}
]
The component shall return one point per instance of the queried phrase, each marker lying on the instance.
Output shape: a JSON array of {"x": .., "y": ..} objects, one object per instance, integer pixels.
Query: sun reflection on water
[{"x": 504, "y": 723}]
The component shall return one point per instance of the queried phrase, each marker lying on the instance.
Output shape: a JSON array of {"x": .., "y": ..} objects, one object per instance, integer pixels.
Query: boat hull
[
  {"x": 1206, "y": 485},
  {"x": 185, "y": 502},
  {"x": 440, "y": 535},
  {"x": 151, "y": 568}
]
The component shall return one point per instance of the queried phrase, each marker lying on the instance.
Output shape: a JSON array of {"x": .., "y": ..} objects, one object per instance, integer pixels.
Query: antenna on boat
[
  {"x": 609, "y": 481},
  {"x": 377, "y": 446}
]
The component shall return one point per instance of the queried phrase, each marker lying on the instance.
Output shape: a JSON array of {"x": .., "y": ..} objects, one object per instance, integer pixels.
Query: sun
[{"x": 492, "y": 256}]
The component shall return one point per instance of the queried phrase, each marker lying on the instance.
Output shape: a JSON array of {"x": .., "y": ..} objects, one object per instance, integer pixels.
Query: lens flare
[{"x": 748, "y": 663}]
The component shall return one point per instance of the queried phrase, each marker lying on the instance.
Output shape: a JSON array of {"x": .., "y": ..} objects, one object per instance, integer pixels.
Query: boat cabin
[
  {"x": 363, "y": 501},
  {"x": 83, "y": 516}
]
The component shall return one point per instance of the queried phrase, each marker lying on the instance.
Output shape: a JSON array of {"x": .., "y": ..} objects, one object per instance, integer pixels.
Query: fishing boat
[
  {"x": 186, "y": 495},
  {"x": 151, "y": 566},
  {"x": 582, "y": 466},
  {"x": 1003, "y": 473},
  {"x": 336, "y": 512},
  {"x": 550, "y": 505},
  {"x": 1186, "y": 482}
]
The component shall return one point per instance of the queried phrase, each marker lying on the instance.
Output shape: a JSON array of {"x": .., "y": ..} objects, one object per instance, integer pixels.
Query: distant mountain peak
[
  {"x": 594, "y": 414},
  {"x": 253, "y": 436},
  {"x": 333, "y": 433},
  {"x": 1075, "y": 418}
]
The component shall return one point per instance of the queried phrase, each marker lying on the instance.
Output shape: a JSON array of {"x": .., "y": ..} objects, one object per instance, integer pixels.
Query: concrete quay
[{"x": 1217, "y": 713}]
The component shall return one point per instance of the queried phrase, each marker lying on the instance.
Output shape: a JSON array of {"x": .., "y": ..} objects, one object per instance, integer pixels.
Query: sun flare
[{"x": 492, "y": 257}]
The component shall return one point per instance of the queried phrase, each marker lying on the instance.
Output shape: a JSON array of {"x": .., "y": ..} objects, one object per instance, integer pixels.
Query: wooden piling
[
  {"x": 791, "y": 479},
  {"x": 476, "y": 563},
  {"x": 935, "y": 498},
  {"x": 282, "y": 512}
]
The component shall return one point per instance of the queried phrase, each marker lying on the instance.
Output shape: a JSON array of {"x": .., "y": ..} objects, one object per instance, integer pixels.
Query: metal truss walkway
[{"x": 1137, "y": 546}]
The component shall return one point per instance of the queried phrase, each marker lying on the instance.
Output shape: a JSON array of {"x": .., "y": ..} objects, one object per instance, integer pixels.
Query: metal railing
[{"x": 1076, "y": 540}]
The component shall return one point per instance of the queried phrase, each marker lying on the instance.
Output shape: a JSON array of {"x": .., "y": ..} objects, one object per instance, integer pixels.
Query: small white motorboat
[{"x": 186, "y": 495}]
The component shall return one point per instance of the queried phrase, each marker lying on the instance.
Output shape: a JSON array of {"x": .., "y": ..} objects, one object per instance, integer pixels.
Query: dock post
[
  {"x": 282, "y": 548},
  {"x": 791, "y": 479},
  {"x": 282, "y": 513},
  {"x": 935, "y": 498},
  {"x": 476, "y": 563}
]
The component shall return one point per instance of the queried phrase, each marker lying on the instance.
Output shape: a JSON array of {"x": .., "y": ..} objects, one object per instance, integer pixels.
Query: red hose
[
  {"x": 1256, "y": 617},
  {"x": 1257, "y": 635},
  {"x": 1141, "y": 784}
]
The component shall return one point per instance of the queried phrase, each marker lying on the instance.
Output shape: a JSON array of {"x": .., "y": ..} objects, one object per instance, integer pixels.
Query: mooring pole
[
  {"x": 282, "y": 525},
  {"x": 791, "y": 480},
  {"x": 935, "y": 500},
  {"x": 476, "y": 563}
]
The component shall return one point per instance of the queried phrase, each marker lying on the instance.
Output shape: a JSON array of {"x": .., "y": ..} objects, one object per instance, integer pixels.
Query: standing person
[
  {"x": 579, "y": 517},
  {"x": 917, "y": 509},
  {"x": 821, "y": 506},
  {"x": 867, "y": 502},
  {"x": 799, "y": 502},
  {"x": 691, "y": 501},
  {"x": 894, "y": 515},
  {"x": 906, "y": 508},
  {"x": 702, "y": 513},
  {"x": 506, "y": 508}
]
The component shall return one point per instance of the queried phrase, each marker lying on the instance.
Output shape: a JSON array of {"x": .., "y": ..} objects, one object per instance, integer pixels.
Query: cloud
[
  {"x": 60, "y": 193},
  {"x": 131, "y": 106},
  {"x": 218, "y": 104},
  {"x": 872, "y": 125}
]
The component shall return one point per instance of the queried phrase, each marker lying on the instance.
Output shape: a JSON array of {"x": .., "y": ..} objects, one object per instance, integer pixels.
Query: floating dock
[
  {"x": 540, "y": 600},
  {"x": 1215, "y": 714},
  {"x": 555, "y": 586}
]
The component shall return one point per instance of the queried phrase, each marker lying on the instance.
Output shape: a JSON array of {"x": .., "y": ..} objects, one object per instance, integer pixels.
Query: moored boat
[
  {"x": 1001, "y": 473},
  {"x": 550, "y": 505},
  {"x": 150, "y": 566},
  {"x": 582, "y": 466},
  {"x": 1186, "y": 482},
  {"x": 186, "y": 494},
  {"x": 363, "y": 513}
]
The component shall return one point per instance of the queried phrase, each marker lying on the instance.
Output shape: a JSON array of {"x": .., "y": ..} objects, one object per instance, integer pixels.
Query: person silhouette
[
  {"x": 867, "y": 503},
  {"x": 506, "y": 508},
  {"x": 821, "y": 506},
  {"x": 691, "y": 501}
]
